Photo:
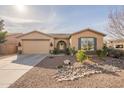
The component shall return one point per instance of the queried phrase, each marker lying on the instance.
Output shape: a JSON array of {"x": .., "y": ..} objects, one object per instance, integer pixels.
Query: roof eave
[
  {"x": 89, "y": 30},
  {"x": 35, "y": 31}
]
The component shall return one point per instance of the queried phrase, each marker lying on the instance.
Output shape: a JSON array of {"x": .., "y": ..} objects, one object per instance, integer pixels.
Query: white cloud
[
  {"x": 19, "y": 20},
  {"x": 47, "y": 20},
  {"x": 46, "y": 24}
]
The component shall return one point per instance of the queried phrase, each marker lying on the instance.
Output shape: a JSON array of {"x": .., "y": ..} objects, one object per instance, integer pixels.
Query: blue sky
[{"x": 55, "y": 19}]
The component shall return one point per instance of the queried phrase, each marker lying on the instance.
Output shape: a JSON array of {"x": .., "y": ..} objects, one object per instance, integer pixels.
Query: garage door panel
[{"x": 35, "y": 46}]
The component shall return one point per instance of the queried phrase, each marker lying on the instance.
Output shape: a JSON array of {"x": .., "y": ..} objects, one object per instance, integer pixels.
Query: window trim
[{"x": 95, "y": 42}]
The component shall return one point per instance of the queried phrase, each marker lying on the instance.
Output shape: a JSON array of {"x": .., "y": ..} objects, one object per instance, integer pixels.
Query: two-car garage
[
  {"x": 35, "y": 46},
  {"x": 35, "y": 43}
]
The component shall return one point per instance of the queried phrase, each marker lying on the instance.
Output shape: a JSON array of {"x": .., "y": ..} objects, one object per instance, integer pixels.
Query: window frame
[{"x": 94, "y": 39}]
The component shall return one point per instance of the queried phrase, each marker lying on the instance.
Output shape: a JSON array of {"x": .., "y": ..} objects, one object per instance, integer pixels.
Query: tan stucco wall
[
  {"x": 12, "y": 40},
  {"x": 72, "y": 42},
  {"x": 8, "y": 49},
  {"x": 56, "y": 40},
  {"x": 10, "y": 46},
  {"x": 74, "y": 38}
]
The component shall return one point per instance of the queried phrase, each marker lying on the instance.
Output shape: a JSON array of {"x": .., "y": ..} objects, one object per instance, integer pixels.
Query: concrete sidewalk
[{"x": 12, "y": 68}]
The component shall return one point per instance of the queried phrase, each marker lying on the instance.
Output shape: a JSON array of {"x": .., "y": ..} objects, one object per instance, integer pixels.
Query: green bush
[
  {"x": 67, "y": 51},
  {"x": 55, "y": 51},
  {"x": 72, "y": 51},
  {"x": 81, "y": 56},
  {"x": 115, "y": 53},
  {"x": 2, "y": 37},
  {"x": 103, "y": 52},
  {"x": 99, "y": 53}
]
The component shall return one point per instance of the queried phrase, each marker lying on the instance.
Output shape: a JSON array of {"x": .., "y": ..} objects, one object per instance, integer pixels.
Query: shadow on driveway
[{"x": 29, "y": 60}]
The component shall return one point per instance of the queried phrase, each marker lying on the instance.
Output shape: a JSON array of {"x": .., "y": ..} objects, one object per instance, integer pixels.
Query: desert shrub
[
  {"x": 115, "y": 53},
  {"x": 105, "y": 51},
  {"x": 55, "y": 51},
  {"x": 102, "y": 52},
  {"x": 111, "y": 52},
  {"x": 67, "y": 51},
  {"x": 81, "y": 56},
  {"x": 99, "y": 53},
  {"x": 72, "y": 51}
]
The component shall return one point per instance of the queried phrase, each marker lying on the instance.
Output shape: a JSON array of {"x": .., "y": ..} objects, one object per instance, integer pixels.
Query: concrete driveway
[{"x": 13, "y": 67}]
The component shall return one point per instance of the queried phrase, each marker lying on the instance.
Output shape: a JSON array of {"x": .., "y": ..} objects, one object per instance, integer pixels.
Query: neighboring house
[
  {"x": 38, "y": 42},
  {"x": 10, "y": 46},
  {"x": 116, "y": 44}
]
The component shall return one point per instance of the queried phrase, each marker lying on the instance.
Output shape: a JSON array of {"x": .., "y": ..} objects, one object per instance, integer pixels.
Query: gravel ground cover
[
  {"x": 42, "y": 75},
  {"x": 77, "y": 70}
]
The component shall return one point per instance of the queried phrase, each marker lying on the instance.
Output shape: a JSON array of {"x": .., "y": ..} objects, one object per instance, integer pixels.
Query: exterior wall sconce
[{"x": 51, "y": 44}]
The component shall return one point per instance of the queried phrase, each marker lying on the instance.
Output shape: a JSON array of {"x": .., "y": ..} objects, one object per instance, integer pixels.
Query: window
[
  {"x": 87, "y": 44},
  {"x": 119, "y": 46}
]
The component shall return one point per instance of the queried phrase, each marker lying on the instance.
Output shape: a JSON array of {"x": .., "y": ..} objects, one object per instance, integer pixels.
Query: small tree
[
  {"x": 2, "y": 37},
  {"x": 1, "y": 25},
  {"x": 2, "y": 34},
  {"x": 116, "y": 24}
]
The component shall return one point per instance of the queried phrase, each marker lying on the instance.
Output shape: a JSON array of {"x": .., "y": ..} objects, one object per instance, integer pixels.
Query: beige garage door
[{"x": 35, "y": 46}]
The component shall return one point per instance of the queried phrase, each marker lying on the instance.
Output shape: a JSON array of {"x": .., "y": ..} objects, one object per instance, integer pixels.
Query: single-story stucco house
[
  {"x": 116, "y": 44},
  {"x": 36, "y": 42}
]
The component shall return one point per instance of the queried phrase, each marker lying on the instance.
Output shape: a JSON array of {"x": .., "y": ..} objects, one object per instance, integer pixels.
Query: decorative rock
[
  {"x": 78, "y": 71},
  {"x": 109, "y": 68},
  {"x": 67, "y": 62}
]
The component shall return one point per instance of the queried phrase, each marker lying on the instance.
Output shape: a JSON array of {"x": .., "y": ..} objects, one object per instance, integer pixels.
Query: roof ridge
[{"x": 90, "y": 30}]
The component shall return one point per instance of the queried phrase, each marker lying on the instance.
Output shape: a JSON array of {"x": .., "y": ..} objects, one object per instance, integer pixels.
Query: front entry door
[{"x": 61, "y": 45}]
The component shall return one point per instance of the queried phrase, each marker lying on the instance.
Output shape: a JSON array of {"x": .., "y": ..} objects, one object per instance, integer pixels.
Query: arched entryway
[{"x": 61, "y": 46}]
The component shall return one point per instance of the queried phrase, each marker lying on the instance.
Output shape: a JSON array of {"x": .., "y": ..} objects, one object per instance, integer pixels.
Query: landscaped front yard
[{"x": 43, "y": 75}]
